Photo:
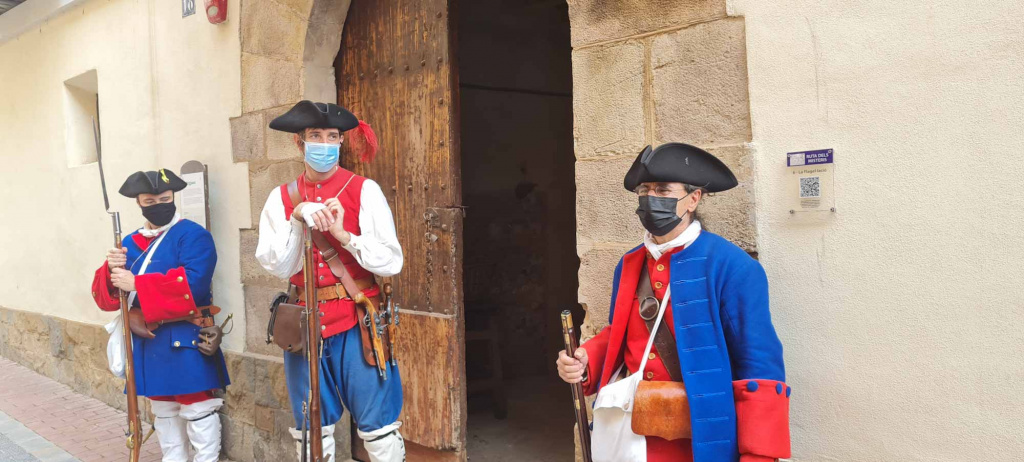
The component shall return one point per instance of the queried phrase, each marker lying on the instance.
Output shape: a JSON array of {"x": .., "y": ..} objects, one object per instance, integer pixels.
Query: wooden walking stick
[{"x": 578, "y": 398}]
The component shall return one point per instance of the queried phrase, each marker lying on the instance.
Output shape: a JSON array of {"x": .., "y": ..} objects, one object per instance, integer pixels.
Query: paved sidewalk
[{"x": 43, "y": 420}]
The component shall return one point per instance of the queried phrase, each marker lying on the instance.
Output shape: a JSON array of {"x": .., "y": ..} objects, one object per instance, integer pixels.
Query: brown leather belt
[
  {"x": 202, "y": 317},
  {"x": 334, "y": 292}
]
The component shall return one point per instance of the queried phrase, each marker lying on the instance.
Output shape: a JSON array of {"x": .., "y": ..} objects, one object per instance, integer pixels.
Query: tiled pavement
[{"x": 43, "y": 420}]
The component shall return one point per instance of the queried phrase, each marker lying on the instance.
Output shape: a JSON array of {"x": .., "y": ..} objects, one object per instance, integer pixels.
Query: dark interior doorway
[{"x": 520, "y": 263}]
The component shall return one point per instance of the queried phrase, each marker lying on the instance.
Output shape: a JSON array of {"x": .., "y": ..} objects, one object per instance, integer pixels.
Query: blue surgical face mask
[{"x": 322, "y": 157}]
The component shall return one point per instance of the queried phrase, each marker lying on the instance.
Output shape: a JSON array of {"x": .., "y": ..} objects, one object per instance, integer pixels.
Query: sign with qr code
[{"x": 812, "y": 174}]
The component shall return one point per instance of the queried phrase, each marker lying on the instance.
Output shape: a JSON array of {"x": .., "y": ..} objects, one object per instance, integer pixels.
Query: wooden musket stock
[{"x": 578, "y": 398}]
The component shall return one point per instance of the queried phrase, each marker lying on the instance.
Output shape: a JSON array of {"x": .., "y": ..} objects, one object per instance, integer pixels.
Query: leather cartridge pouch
[
  {"x": 287, "y": 326},
  {"x": 662, "y": 408}
]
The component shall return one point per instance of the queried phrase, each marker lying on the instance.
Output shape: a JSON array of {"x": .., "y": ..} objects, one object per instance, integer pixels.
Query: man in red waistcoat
[{"x": 354, "y": 217}]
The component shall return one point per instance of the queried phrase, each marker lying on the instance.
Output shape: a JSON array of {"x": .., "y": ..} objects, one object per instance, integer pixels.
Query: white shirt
[
  {"x": 686, "y": 238},
  {"x": 377, "y": 250}
]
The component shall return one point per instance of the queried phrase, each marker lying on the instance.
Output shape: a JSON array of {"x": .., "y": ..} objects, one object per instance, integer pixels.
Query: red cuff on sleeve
[
  {"x": 165, "y": 296},
  {"x": 103, "y": 292},
  {"x": 762, "y": 418}
]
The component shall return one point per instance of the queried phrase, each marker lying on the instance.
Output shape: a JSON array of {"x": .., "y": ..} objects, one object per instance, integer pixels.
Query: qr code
[{"x": 810, "y": 186}]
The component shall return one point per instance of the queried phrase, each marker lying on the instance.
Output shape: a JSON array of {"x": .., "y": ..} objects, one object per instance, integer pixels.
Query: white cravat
[
  {"x": 151, "y": 233},
  {"x": 686, "y": 238}
]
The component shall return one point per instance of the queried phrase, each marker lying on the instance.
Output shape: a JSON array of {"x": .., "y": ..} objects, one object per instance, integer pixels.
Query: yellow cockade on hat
[{"x": 163, "y": 176}]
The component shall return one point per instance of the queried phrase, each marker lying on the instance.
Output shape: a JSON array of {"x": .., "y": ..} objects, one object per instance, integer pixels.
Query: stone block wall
[
  {"x": 650, "y": 72},
  {"x": 255, "y": 417},
  {"x": 288, "y": 51}
]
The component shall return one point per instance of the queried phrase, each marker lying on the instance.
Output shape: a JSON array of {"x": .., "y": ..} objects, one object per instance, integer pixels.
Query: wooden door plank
[{"x": 395, "y": 71}]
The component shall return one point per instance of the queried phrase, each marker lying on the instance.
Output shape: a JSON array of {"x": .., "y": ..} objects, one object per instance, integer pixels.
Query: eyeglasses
[
  {"x": 318, "y": 137},
  {"x": 661, "y": 190}
]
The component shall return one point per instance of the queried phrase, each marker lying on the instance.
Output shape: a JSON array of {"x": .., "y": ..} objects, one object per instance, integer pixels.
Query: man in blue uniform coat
[
  {"x": 166, "y": 267},
  {"x": 722, "y": 348}
]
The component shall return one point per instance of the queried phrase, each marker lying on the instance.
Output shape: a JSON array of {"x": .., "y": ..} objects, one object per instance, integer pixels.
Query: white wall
[
  {"x": 903, "y": 314},
  {"x": 167, "y": 87}
]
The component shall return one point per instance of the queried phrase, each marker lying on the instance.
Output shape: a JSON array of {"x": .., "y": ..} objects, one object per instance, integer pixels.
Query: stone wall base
[{"x": 256, "y": 416}]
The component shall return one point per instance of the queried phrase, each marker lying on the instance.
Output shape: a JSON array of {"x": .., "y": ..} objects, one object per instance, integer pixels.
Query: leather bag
[
  {"x": 287, "y": 326},
  {"x": 661, "y": 408}
]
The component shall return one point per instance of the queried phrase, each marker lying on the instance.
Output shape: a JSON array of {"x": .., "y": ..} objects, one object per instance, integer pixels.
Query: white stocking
[
  {"x": 204, "y": 428},
  {"x": 170, "y": 430},
  {"x": 385, "y": 444},
  {"x": 327, "y": 433}
]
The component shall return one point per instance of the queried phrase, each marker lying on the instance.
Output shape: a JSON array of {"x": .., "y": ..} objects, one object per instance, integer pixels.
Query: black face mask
[
  {"x": 658, "y": 214},
  {"x": 159, "y": 214}
]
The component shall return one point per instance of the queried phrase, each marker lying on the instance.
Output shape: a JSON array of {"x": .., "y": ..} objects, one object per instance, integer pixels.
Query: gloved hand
[
  {"x": 137, "y": 324},
  {"x": 209, "y": 340}
]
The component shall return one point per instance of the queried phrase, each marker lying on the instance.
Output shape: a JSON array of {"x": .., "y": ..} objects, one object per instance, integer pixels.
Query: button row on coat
[{"x": 752, "y": 386}]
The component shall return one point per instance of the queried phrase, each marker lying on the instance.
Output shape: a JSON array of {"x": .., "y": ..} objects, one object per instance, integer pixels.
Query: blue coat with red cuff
[
  {"x": 729, "y": 355},
  {"x": 177, "y": 282}
]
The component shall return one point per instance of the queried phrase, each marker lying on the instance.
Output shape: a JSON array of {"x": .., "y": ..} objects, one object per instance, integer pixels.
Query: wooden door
[{"x": 396, "y": 71}]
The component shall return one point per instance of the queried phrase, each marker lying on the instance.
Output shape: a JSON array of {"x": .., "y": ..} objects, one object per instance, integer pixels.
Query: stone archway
[{"x": 288, "y": 52}]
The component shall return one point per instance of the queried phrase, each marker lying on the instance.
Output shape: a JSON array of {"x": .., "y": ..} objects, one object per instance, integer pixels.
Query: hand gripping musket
[
  {"x": 134, "y": 434},
  {"x": 582, "y": 421},
  {"x": 313, "y": 426}
]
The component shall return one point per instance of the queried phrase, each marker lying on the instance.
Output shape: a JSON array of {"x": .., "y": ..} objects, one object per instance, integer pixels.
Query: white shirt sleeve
[
  {"x": 377, "y": 248},
  {"x": 279, "y": 249}
]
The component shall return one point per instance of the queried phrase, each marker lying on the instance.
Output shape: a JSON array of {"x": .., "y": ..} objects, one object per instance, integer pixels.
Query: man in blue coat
[
  {"x": 166, "y": 267},
  {"x": 716, "y": 337}
]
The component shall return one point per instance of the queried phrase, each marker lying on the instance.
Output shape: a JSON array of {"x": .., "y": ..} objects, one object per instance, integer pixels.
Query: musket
[
  {"x": 134, "y": 434},
  {"x": 582, "y": 421},
  {"x": 315, "y": 441}
]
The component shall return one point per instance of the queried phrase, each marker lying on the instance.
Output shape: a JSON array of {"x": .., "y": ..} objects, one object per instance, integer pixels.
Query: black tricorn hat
[
  {"x": 307, "y": 114},
  {"x": 679, "y": 163},
  {"x": 151, "y": 183}
]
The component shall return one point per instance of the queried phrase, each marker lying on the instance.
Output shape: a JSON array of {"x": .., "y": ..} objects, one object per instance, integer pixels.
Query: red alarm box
[{"x": 216, "y": 11}]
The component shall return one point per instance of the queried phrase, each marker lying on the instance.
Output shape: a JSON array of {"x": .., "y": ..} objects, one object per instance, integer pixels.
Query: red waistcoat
[{"x": 336, "y": 315}]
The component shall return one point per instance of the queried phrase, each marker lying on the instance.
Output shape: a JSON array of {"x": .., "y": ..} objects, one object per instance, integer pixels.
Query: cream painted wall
[
  {"x": 903, "y": 313},
  {"x": 167, "y": 87}
]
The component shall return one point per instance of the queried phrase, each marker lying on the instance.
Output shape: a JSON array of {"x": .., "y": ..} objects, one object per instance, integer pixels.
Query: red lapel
[{"x": 631, "y": 264}]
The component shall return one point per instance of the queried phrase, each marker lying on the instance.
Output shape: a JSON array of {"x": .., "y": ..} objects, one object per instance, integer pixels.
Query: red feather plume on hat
[{"x": 363, "y": 141}]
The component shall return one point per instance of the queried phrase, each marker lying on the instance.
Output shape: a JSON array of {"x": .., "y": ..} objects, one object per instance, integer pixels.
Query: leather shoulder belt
[{"x": 664, "y": 342}]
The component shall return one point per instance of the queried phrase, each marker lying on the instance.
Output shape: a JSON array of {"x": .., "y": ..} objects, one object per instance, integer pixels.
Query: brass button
[
  {"x": 191, "y": 311},
  {"x": 650, "y": 375},
  {"x": 187, "y": 296},
  {"x": 177, "y": 344},
  {"x": 321, "y": 313},
  {"x": 321, "y": 265},
  {"x": 94, "y": 294},
  {"x": 321, "y": 278},
  {"x": 661, "y": 267},
  {"x": 658, "y": 285},
  {"x": 193, "y": 343},
  {"x": 318, "y": 198},
  {"x": 318, "y": 186},
  {"x": 323, "y": 327},
  {"x": 650, "y": 356},
  {"x": 180, "y": 279}
]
